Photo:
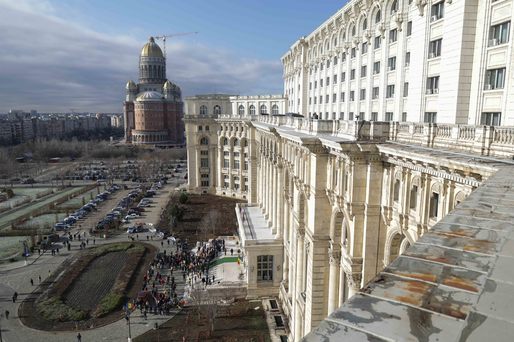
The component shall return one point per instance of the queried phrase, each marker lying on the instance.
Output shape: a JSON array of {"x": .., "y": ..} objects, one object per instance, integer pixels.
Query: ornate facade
[
  {"x": 153, "y": 108},
  {"x": 397, "y": 101}
]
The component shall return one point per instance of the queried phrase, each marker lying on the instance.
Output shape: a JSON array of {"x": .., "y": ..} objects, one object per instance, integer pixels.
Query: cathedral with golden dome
[{"x": 153, "y": 108}]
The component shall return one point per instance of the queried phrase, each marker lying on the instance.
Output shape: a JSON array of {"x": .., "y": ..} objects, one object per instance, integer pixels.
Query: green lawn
[
  {"x": 43, "y": 221},
  {"x": 80, "y": 200},
  {"x": 6, "y": 219},
  {"x": 10, "y": 245}
]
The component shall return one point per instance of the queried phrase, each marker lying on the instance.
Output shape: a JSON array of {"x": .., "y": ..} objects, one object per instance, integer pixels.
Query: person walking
[
  {"x": 31, "y": 281},
  {"x": 79, "y": 337},
  {"x": 7, "y": 314},
  {"x": 14, "y": 297}
]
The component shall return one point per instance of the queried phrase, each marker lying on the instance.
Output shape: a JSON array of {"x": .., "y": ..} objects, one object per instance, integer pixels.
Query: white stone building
[
  {"x": 419, "y": 61},
  {"x": 383, "y": 92}
]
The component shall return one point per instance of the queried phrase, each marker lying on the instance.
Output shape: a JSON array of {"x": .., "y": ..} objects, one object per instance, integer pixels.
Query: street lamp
[{"x": 127, "y": 317}]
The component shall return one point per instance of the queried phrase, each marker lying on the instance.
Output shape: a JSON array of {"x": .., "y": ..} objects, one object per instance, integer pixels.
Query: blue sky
[{"x": 79, "y": 53}]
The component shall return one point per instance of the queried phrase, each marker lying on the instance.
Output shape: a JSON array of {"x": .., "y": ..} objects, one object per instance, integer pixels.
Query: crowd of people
[{"x": 159, "y": 289}]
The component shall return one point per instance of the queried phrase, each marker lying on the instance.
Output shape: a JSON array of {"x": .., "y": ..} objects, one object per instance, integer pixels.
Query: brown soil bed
[
  {"x": 82, "y": 281},
  {"x": 239, "y": 322},
  {"x": 192, "y": 225}
]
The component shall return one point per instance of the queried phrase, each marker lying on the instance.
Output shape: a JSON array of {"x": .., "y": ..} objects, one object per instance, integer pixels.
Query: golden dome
[{"x": 151, "y": 49}]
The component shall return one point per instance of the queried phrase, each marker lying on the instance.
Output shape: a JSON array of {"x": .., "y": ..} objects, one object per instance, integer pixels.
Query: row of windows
[
  {"x": 263, "y": 109},
  {"x": 390, "y": 91},
  {"x": 216, "y": 110},
  {"x": 487, "y": 118}
]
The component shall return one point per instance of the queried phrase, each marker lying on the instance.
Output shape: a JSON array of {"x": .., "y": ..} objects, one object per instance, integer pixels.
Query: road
[{"x": 16, "y": 277}]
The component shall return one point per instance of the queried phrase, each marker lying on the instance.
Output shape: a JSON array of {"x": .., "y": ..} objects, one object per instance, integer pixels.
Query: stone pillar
[{"x": 334, "y": 280}]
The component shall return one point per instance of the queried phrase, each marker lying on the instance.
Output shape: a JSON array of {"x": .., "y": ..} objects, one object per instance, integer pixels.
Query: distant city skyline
[{"x": 64, "y": 55}]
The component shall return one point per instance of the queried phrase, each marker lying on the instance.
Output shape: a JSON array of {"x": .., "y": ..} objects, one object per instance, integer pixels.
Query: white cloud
[{"x": 50, "y": 64}]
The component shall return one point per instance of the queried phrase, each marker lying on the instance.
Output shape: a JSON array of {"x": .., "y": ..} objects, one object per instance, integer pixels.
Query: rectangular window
[
  {"x": 499, "y": 34},
  {"x": 310, "y": 100},
  {"x": 374, "y": 116},
  {"x": 377, "y": 42},
  {"x": 343, "y": 57},
  {"x": 404, "y": 116},
  {"x": 388, "y": 116},
  {"x": 245, "y": 165},
  {"x": 364, "y": 48},
  {"x": 225, "y": 182},
  {"x": 434, "y": 205},
  {"x": 328, "y": 81},
  {"x": 315, "y": 84},
  {"x": 390, "y": 91},
  {"x": 413, "y": 197},
  {"x": 334, "y": 97},
  {"x": 320, "y": 99},
  {"x": 491, "y": 119},
  {"x": 376, "y": 68},
  {"x": 342, "y": 96},
  {"x": 204, "y": 162},
  {"x": 226, "y": 163},
  {"x": 406, "y": 89},
  {"x": 362, "y": 95},
  {"x": 310, "y": 85},
  {"x": 393, "y": 35},
  {"x": 495, "y": 79},
  {"x": 204, "y": 153},
  {"x": 334, "y": 79},
  {"x": 343, "y": 76},
  {"x": 327, "y": 98},
  {"x": 353, "y": 52},
  {"x": 341, "y": 115},
  {"x": 364, "y": 69},
  {"x": 264, "y": 267},
  {"x": 437, "y": 11},
  {"x": 352, "y": 74},
  {"x": 430, "y": 117},
  {"x": 391, "y": 64},
  {"x": 352, "y": 95},
  {"x": 200, "y": 128},
  {"x": 321, "y": 83},
  {"x": 407, "y": 59},
  {"x": 335, "y": 60},
  {"x": 434, "y": 48},
  {"x": 236, "y": 164},
  {"x": 350, "y": 116},
  {"x": 433, "y": 85},
  {"x": 315, "y": 99},
  {"x": 409, "y": 28},
  {"x": 375, "y": 93}
]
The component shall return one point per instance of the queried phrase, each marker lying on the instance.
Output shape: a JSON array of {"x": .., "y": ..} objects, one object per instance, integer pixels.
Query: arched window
[
  {"x": 203, "y": 110},
  {"x": 378, "y": 17},
  {"x": 394, "y": 6},
  {"x": 241, "y": 110},
  {"x": 264, "y": 109},
  {"x": 217, "y": 110},
  {"x": 252, "y": 110},
  {"x": 224, "y": 141},
  {"x": 236, "y": 142},
  {"x": 204, "y": 141},
  {"x": 274, "y": 109},
  {"x": 365, "y": 24}
]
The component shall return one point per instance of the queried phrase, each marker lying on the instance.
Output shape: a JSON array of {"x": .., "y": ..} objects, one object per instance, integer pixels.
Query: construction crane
[{"x": 166, "y": 36}]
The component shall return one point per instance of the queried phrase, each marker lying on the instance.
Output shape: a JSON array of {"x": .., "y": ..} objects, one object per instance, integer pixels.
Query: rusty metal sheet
[
  {"x": 443, "y": 300},
  {"x": 451, "y": 257},
  {"x": 396, "y": 321},
  {"x": 329, "y": 331},
  {"x": 483, "y": 246},
  {"x": 458, "y": 278},
  {"x": 469, "y": 221}
]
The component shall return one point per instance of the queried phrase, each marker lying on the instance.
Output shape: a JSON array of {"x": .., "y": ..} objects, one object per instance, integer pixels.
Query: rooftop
[{"x": 454, "y": 284}]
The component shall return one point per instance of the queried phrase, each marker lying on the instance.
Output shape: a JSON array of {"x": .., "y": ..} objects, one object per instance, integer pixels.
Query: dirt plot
[
  {"x": 242, "y": 321},
  {"x": 88, "y": 290},
  {"x": 202, "y": 217},
  {"x": 98, "y": 278}
]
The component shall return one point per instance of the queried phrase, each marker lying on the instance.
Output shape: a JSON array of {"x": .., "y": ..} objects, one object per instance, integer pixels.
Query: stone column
[{"x": 333, "y": 282}]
